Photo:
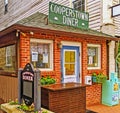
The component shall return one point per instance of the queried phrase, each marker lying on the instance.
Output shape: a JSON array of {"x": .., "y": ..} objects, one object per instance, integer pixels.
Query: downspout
[
  {"x": 117, "y": 61},
  {"x": 107, "y": 44}
]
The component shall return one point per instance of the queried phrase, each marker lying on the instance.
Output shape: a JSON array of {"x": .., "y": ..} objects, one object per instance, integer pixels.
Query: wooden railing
[{"x": 8, "y": 88}]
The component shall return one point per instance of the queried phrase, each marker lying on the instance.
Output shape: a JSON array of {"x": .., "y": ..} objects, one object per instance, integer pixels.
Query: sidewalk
[{"x": 105, "y": 109}]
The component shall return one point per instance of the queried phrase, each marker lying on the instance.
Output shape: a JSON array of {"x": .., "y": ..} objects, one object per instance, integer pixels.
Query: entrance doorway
[{"x": 70, "y": 61}]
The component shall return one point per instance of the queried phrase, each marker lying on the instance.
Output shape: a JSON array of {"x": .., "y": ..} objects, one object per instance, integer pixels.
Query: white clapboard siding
[
  {"x": 94, "y": 9},
  {"x": 19, "y": 9},
  {"x": 117, "y": 25},
  {"x": 16, "y": 8},
  {"x": 115, "y": 2},
  {"x": 90, "y": 4}
]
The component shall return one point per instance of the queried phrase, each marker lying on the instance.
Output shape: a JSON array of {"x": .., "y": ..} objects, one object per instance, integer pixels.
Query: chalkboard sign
[{"x": 27, "y": 83}]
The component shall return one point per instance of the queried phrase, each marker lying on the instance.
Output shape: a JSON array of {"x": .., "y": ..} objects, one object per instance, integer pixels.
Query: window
[
  {"x": 79, "y": 5},
  {"x": 69, "y": 62},
  {"x": 41, "y": 54},
  {"x": 6, "y": 6},
  {"x": 94, "y": 56},
  {"x": 8, "y": 58}
]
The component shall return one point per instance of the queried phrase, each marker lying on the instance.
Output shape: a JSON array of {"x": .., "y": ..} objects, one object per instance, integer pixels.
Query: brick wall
[
  {"x": 93, "y": 92},
  {"x": 24, "y": 49}
]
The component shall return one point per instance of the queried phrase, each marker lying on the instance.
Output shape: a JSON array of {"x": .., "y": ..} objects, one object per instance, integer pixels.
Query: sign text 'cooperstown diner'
[{"x": 59, "y": 14}]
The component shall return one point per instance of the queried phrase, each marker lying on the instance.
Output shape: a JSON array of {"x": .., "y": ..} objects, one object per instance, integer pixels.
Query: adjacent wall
[
  {"x": 95, "y": 18},
  {"x": 8, "y": 88},
  {"x": 19, "y": 9}
]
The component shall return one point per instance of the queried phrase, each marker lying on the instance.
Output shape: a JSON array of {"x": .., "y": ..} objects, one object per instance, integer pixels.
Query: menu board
[{"x": 27, "y": 88}]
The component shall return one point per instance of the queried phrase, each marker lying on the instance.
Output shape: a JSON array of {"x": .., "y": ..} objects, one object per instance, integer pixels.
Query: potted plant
[
  {"x": 47, "y": 80},
  {"x": 98, "y": 77}
]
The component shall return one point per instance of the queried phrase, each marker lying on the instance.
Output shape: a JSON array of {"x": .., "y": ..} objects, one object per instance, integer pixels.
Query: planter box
[
  {"x": 99, "y": 79},
  {"x": 94, "y": 79}
]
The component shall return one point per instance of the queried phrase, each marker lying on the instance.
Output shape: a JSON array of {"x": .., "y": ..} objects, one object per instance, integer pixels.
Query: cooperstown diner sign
[{"x": 63, "y": 15}]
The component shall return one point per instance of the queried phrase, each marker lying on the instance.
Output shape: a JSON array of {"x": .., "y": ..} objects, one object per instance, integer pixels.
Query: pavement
[{"x": 100, "y": 108}]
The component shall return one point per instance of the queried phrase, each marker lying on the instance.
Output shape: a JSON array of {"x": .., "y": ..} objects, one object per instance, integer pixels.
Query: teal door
[{"x": 70, "y": 64}]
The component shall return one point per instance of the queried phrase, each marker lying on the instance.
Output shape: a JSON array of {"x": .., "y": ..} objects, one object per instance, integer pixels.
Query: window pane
[
  {"x": 69, "y": 69},
  {"x": 6, "y": 6},
  {"x": 8, "y": 58},
  {"x": 92, "y": 56},
  {"x": 69, "y": 63},
  {"x": 79, "y": 5},
  {"x": 40, "y": 55},
  {"x": 6, "y": 2}
]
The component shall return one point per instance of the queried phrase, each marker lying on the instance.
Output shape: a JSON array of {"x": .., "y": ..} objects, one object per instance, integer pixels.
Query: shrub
[
  {"x": 47, "y": 80},
  {"x": 98, "y": 77}
]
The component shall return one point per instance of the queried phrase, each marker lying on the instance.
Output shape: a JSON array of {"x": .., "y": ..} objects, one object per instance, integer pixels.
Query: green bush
[
  {"x": 47, "y": 80},
  {"x": 98, "y": 77}
]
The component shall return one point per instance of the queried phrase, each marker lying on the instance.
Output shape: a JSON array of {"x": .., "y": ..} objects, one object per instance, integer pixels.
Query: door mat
[{"x": 89, "y": 111}]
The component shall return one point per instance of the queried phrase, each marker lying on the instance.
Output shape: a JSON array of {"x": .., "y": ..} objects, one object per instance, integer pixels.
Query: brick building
[
  {"x": 22, "y": 36},
  {"x": 58, "y": 51}
]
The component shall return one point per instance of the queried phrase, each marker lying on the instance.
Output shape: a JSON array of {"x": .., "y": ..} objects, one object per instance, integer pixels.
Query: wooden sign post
[{"x": 29, "y": 86}]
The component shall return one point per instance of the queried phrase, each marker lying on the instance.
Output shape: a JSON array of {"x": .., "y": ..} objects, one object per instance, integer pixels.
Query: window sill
[
  {"x": 4, "y": 73},
  {"x": 93, "y": 68}
]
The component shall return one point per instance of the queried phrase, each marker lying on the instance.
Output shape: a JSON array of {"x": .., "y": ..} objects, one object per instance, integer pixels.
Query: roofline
[
  {"x": 26, "y": 29},
  {"x": 8, "y": 30}
]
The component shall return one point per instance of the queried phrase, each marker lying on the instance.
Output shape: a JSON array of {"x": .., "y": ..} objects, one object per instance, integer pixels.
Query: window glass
[
  {"x": 93, "y": 56},
  {"x": 8, "y": 58},
  {"x": 41, "y": 55},
  {"x": 69, "y": 63},
  {"x": 79, "y": 5},
  {"x": 6, "y": 6}
]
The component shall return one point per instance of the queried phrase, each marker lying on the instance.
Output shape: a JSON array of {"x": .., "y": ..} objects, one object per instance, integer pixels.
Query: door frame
[{"x": 74, "y": 44}]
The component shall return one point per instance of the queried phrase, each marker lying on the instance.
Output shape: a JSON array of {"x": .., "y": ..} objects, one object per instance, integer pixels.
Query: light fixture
[
  {"x": 23, "y": 34},
  {"x": 59, "y": 45},
  {"x": 32, "y": 33},
  {"x": 17, "y": 33}
]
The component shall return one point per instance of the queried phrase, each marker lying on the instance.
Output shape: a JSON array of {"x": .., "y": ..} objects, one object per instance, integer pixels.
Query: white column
[
  {"x": 106, "y": 11},
  {"x": 111, "y": 56}
]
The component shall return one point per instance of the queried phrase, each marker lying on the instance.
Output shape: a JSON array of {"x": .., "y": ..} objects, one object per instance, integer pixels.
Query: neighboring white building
[{"x": 99, "y": 12}]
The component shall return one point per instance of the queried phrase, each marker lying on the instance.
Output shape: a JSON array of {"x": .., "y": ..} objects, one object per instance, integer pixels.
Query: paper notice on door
[{"x": 45, "y": 58}]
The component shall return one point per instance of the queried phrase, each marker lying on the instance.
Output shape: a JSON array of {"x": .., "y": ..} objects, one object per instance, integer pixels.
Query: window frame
[
  {"x": 51, "y": 52},
  {"x": 78, "y": 0},
  {"x": 5, "y": 6},
  {"x": 6, "y": 55},
  {"x": 99, "y": 56}
]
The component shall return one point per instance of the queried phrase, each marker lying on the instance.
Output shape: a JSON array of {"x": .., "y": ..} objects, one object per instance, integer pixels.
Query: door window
[{"x": 69, "y": 63}]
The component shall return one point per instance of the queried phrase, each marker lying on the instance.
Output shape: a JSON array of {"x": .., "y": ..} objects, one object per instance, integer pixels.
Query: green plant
[
  {"x": 41, "y": 112},
  {"x": 24, "y": 107},
  {"x": 12, "y": 102},
  {"x": 47, "y": 80},
  {"x": 99, "y": 77}
]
